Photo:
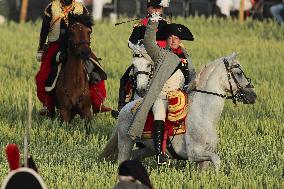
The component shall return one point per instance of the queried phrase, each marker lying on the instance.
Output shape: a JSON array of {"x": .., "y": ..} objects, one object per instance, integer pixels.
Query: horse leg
[
  {"x": 203, "y": 165},
  {"x": 209, "y": 156},
  {"x": 140, "y": 154},
  {"x": 86, "y": 115},
  {"x": 125, "y": 145},
  {"x": 66, "y": 115}
]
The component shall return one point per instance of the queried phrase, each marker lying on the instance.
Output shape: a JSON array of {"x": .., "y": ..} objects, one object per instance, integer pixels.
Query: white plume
[{"x": 165, "y": 3}]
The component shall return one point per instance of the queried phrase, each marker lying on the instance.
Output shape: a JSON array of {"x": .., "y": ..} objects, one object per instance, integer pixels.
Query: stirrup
[{"x": 163, "y": 159}]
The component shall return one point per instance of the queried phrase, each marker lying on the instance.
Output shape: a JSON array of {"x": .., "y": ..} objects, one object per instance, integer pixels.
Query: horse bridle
[
  {"x": 77, "y": 45},
  {"x": 239, "y": 95},
  {"x": 149, "y": 73}
]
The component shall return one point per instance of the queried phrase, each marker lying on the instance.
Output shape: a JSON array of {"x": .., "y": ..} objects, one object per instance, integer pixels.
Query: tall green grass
[{"x": 251, "y": 136}]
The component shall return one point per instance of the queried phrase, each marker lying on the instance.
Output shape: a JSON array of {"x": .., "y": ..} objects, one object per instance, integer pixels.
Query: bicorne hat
[
  {"x": 158, "y": 3},
  {"x": 178, "y": 30}
]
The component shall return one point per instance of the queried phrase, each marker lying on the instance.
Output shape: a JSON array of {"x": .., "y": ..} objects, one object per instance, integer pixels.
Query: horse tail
[{"x": 110, "y": 151}]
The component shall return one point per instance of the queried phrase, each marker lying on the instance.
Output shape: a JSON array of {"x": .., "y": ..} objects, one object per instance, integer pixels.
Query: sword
[{"x": 116, "y": 24}]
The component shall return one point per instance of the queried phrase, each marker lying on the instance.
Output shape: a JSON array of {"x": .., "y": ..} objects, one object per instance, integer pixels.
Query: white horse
[
  {"x": 142, "y": 70},
  {"x": 199, "y": 143}
]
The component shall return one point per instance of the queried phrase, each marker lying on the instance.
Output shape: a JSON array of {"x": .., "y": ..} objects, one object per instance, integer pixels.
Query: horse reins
[
  {"x": 75, "y": 46},
  {"x": 150, "y": 73},
  {"x": 234, "y": 97}
]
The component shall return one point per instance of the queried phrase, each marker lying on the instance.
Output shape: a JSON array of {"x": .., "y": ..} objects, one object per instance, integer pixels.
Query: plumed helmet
[
  {"x": 158, "y": 3},
  {"x": 67, "y": 2},
  {"x": 23, "y": 178},
  {"x": 178, "y": 30}
]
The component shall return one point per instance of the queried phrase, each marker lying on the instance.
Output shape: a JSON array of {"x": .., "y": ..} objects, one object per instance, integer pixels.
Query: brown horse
[{"x": 72, "y": 92}]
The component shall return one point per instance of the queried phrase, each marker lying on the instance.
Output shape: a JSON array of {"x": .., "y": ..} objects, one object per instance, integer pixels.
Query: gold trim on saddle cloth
[
  {"x": 178, "y": 106},
  {"x": 178, "y": 130}
]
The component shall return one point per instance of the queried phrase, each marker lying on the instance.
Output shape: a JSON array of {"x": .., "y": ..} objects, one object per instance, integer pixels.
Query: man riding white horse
[
  {"x": 54, "y": 27},
  {"x": 173, "y": 71},
  {"x": 136, "y": 40}
]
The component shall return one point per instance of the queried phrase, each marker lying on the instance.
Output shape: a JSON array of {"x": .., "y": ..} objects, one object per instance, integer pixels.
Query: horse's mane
[
  {"x": 86, "y": 20},
  {"x": 205, "y": 72}
]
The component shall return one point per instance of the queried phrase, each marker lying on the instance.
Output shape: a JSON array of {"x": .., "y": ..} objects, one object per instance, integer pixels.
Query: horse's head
[
  {"x": 79, "y": 31},
  {"x": 237, "y": 83},
  {"x": 143, "y": 70}
]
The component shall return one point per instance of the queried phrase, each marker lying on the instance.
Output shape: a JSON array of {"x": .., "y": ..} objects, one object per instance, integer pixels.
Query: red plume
[{"x": 13, "y": 156}]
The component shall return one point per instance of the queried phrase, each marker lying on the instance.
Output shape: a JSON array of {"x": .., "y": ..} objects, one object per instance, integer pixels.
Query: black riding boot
[{"x": 158, "y": 136}]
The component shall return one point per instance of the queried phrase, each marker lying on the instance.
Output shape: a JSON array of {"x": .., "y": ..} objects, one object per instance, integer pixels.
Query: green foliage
[{"x": 251, "y": 136}]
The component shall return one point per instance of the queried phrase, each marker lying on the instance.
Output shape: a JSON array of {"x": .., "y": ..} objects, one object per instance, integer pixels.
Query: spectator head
[{"x": 131, "y": 170}]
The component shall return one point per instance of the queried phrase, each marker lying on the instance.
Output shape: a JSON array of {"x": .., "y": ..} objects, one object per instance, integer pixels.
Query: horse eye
[{"x": 239, "y": 74}]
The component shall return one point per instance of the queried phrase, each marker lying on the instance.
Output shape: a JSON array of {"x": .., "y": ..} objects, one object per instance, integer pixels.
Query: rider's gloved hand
[
  {"x": 155, "y": 17},
  {"x": 39, "y": 55},
  {"x": 190, "y": 87}
]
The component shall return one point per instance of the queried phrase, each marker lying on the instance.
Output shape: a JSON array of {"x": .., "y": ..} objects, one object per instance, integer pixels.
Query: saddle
[
  {"x": 94, "y": 72},
  {"x": 176, "y": 115}
]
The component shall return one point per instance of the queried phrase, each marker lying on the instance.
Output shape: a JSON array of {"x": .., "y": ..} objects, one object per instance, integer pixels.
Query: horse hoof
[
  {"x": 45, "y": 113},
  {"x": 114, "y": 114}
]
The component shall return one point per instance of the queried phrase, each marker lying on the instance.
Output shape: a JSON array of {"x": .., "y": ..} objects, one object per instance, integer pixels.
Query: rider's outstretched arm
[{"x": 153, "y": 50}]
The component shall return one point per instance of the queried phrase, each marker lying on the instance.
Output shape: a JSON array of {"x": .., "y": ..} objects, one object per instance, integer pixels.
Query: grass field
[{"x": 251, "y": 143}]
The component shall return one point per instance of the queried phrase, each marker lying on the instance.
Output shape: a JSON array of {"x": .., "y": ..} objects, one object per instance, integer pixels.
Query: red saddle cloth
[
  {"x": 176, "y": 115},
  {"x": 171, "y": 128}
]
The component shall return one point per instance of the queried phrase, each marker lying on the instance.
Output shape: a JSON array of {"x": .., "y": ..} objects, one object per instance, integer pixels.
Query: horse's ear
[{"x": 233, "y": 56}]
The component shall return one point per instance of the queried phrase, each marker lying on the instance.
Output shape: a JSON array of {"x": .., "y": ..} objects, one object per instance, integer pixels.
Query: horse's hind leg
[
  {"x": 125, "y": 146},
  {"x": 140, "y": 154}
]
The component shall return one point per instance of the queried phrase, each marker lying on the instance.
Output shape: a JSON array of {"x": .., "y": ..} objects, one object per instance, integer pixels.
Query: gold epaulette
[
  {"x": 45, "y": 10},
  {"x": 78, "y": 8}
]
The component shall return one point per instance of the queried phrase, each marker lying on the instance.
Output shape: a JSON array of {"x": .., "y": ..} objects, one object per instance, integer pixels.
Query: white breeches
[{"x": 160, "y": 108}]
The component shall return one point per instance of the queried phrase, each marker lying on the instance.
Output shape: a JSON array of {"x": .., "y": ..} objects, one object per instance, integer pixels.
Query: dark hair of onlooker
[{"x": 136, "y": 170}]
